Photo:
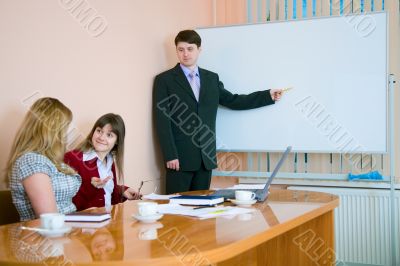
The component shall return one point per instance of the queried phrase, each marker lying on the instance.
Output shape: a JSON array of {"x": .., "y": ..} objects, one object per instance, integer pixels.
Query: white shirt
[{"x": 104, "y": 171}]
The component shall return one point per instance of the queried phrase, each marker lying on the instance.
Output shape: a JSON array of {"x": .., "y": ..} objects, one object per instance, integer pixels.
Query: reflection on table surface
[{"x": 125, "y": 239}]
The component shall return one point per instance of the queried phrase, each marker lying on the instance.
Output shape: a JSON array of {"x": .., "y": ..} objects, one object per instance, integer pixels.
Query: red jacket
[{"x": 88, "y": 196}]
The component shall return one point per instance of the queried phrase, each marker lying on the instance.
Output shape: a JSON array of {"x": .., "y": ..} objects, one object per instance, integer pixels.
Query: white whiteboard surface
[{"x": 337, "y": 66}]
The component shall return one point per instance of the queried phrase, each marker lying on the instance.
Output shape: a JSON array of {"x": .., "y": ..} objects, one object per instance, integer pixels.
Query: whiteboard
[{"x": 337, "y": 67}]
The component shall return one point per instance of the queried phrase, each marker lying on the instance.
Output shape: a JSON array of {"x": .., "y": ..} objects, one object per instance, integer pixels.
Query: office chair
[{"x": 9, "y": 213}]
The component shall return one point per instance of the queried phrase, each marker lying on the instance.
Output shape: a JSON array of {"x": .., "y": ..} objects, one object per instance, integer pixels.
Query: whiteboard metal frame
[
  {"x": 339, "y": 177},
  {"x": 394, "y": 240}
]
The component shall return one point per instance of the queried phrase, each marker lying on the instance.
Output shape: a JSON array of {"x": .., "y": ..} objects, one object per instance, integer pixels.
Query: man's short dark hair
[{"x": 189, "y": 36}]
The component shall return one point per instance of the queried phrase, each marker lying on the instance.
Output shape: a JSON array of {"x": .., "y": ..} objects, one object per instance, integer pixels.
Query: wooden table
[{"x": 291, "y": 228}]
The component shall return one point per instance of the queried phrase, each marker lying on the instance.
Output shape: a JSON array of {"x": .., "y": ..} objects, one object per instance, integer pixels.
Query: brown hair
[
  {"x": 44, "y": 131},
  {"x": 189, "y": 36},
  {"x": 118, "y": 128}
]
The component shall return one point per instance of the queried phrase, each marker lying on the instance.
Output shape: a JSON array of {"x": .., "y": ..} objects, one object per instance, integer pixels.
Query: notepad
[
  {"x": 197, "y": 200},
  {"x": 87, "y": 217},
  {"x": 88, "y": 224}
]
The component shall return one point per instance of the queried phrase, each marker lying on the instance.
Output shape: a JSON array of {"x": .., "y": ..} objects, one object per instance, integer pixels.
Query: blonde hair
[{"x": 43, "y": 131}]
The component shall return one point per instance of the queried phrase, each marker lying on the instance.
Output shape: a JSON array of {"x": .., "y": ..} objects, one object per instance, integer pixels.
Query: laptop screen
[{"x": 264, "y": 194}]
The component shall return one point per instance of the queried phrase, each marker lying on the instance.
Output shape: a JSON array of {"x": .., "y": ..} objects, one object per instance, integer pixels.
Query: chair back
[{"x": 9, "y": 213}]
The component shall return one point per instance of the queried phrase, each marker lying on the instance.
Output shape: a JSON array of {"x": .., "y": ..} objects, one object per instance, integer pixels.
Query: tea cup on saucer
[
  {"x": 52, "y": 221},
  {"x": 147, "y": 208},
  {"x": 243, "y": 195}
]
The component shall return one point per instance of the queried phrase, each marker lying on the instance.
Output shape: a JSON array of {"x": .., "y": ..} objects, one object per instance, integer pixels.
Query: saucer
[
  {"x": 54, "y": 232},
  {"x": 147, "y": 219},
  {"x": 243, "y": 203}
]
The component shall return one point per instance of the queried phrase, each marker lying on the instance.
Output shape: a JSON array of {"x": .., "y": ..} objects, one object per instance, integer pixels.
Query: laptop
[{"x": 261, "y": 194}]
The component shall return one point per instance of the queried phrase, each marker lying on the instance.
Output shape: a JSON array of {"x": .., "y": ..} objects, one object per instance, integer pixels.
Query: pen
[
  {"x": 219, "y": 211},
  {"x": 204, "y": 206},
  {"x": 287, "y": 89}
]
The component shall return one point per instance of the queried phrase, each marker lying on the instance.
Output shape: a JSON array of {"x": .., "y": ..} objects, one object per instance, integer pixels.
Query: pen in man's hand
[{"x": 287, "y": 89}]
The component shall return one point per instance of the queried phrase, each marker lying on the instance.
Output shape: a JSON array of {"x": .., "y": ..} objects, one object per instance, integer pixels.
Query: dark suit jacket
[
  {"x": 185, "y": 127},
  {"x": 88, "y": 196}
]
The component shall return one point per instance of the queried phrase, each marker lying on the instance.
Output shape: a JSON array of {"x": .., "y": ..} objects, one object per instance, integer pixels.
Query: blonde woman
[{"x": 39, "y": 180}]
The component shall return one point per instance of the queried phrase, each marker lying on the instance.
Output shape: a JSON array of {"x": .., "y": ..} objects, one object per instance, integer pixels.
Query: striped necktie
[{"x": 194, "y": 83}]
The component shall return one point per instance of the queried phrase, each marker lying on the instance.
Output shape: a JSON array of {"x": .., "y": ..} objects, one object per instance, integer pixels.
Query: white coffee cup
[
  {"x": 147, "y": 208},
  {"x": 148, "y": 234},
  {"x": 243, "y": 195},
  {"x": 52, "y": 221}
]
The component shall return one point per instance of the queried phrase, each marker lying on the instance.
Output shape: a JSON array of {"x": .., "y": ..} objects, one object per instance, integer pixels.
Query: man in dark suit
[{"x": 186, "y": 100}]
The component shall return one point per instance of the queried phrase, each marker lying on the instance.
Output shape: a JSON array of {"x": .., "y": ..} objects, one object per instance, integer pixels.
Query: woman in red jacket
[{"x": 97, "y": 160}]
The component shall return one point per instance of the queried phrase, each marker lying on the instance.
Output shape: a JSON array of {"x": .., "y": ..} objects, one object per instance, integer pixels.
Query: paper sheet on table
[
  {"x": 203, "y": 213},
  {"x": 153, "y": 196}
]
